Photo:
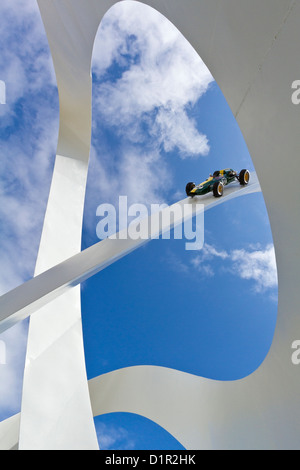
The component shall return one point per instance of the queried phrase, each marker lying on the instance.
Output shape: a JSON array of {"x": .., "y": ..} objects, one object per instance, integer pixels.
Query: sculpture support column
[{"x": 55, "y": 403}]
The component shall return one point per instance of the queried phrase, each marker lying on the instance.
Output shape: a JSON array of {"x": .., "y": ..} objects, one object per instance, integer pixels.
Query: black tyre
[
  {"x": 189, "y": 188},
  {"x": 244, "y": 177},
  {"x": 218, "y": 188}
]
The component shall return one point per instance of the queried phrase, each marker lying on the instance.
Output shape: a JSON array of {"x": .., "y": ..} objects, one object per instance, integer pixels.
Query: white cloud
[
  {"x": 24, "y": 185},
  {"x": 210, "y": 251},
  {"x": 142, "y": 180},
  {"x": 25, "y": 62},
  {"x": 258, "y": 266},
  {"x": 113, "y": 437},
  {"x": 175, "y": 130},
  {"x": 164, "y": 78},
  {"x": 201, "y": 260}
]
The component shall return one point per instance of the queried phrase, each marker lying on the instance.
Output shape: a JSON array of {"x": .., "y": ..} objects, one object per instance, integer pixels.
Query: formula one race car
[{"x": 216, "y": 182}]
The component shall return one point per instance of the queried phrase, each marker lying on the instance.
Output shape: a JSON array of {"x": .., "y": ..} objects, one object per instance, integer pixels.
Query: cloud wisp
[
  {"x": 113, "y": 437},
  {"x": 255, "y": 265},
  {"x": 258, "y": 266}
]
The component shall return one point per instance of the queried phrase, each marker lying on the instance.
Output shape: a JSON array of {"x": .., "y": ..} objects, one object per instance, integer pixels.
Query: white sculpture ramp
[
  {"x": 252, "y": 50},
  {"x": 25, "y": 300}
]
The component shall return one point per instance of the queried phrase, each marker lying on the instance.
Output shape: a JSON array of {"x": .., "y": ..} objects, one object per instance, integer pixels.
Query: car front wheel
[
  {"x": 244, "y": 177},
  {"x": 218, "y": 188}
]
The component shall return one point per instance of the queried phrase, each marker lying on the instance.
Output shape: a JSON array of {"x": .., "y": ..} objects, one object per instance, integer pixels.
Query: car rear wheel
[
  {"x": 189, "y": 188},
  {"x": 218, "y": 188},
  {"x": 244, "y": 177}
]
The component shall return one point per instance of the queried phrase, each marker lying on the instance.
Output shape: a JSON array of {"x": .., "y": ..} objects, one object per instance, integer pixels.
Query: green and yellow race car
[{"x": 216, "y": 182}]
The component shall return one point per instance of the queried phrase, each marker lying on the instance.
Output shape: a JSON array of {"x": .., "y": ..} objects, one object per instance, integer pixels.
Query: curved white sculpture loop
[{"x": 252, "y": 50}]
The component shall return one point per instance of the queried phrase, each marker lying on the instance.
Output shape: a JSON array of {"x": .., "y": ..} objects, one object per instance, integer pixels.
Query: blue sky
[{"x": 159, "y": 121}]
